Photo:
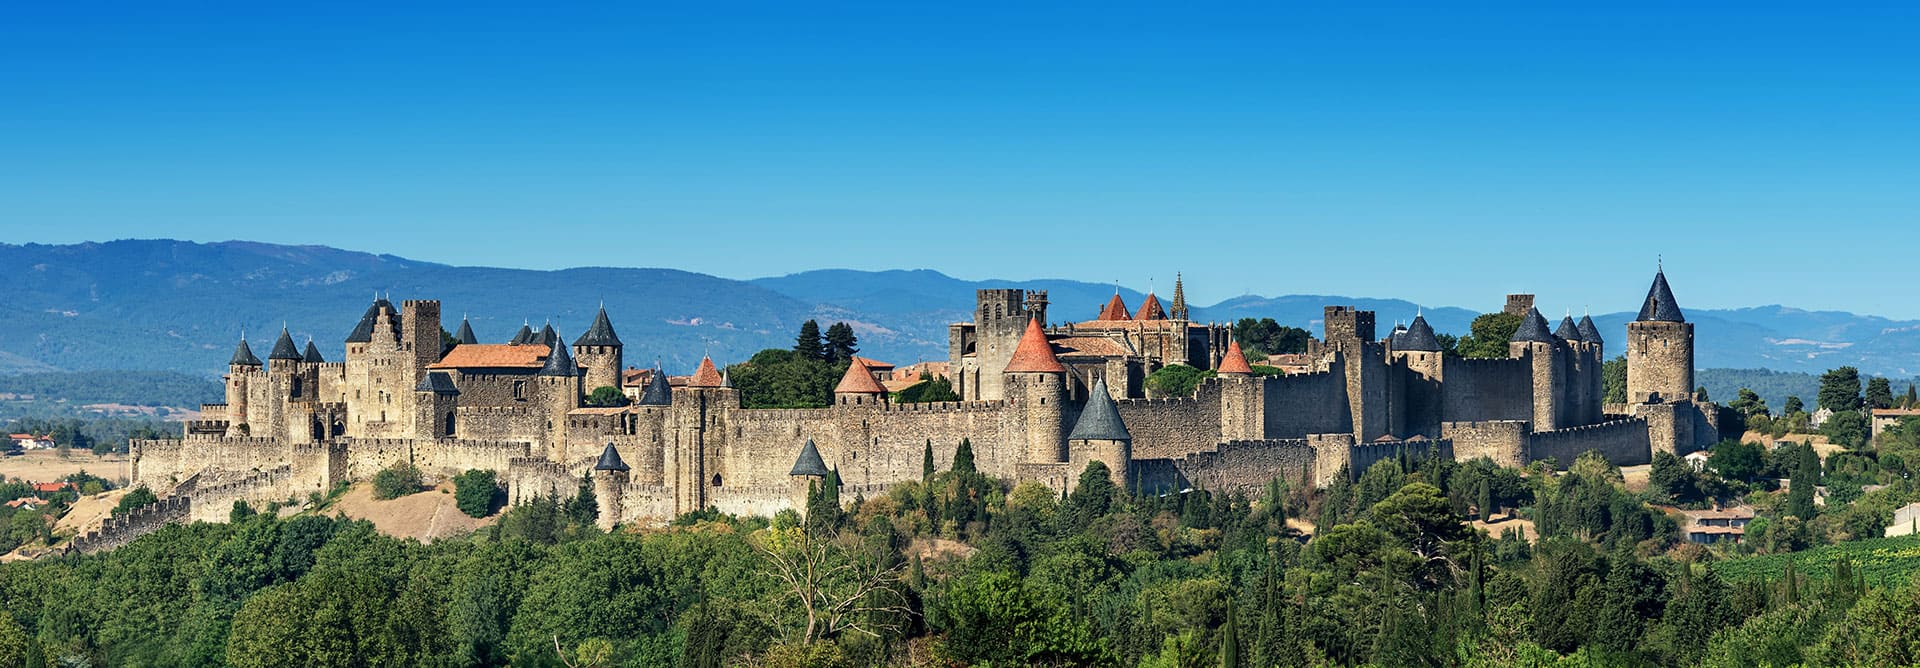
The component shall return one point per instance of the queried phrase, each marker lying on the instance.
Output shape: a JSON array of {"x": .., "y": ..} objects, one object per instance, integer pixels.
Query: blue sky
[{"x": 1770, "y": 152}]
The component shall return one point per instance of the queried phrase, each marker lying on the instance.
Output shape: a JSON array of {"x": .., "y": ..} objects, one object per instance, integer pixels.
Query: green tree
[
  {"x": 1177, "y": 380},
  {"x": 1806, "y": 475},
  {"x": 474, "y": 492},
  {"x": 396, "y": 481},
  {"x": 1264, "y": 337},
  {"x": 926, "y": 463},
  {"x": 1613, "y": 379},
  {"x": 929, "y": 391},
  {"x": 1749, "y": 404},
  {"x": 1491, "y": 333},
  {"x": 1735, "y": 460},
  {"x": 841, "y": 344},
  {"x": 808, "y": 345},
  {"x": 15, "y": 646},
  {"x": 1847, "y": 428},
  {"x": 784, "y": 379},
  {"x": 606, "y": 396},
  {"x": 1793, "y": 405},
  {"x": 139, "y": 497},
  {"x": 1840, "y": 389},
  {"x": 1879, "y": 393},
  {"x": 1912, "y": 400},
  {"x": 583, "y": 510}
]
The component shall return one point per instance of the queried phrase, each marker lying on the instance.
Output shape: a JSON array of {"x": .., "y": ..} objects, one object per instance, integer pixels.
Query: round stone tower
[
  {"x": 1659, "y": 349},
  {"x": 1103, "y": 437},
  {"x": 609, "y": 485},
  {"x": 600, "y": 351},
  {"x": 1037, "y": 385}
]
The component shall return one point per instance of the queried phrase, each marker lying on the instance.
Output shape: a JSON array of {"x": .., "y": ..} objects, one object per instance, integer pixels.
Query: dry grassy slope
[{"x": 425, "y": 516}]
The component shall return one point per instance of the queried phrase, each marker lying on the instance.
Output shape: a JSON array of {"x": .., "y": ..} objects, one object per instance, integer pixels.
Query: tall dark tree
[
  {"x": 808, "y": 345},
  {"x": 926, "y": 463},
  {"x": 1912, "y": 400},
  {"x": 1806, "y": 474},
  {"x": 1491, "y": 332},
  {"x": 1840, "y": 389},
  {"x": 1793, "y": 405},
  {"x": 841, "y": 343},
  {"x": 1879, "y": 393}
]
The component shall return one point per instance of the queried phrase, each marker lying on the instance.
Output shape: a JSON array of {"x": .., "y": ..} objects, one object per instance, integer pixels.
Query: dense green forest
[
  {"x": 65, "y": 394},
  {"x": 960, "y": 568}
]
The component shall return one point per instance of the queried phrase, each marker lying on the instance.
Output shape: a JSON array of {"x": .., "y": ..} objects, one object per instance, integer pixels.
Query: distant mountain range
[{"x": 175, "y": 305}]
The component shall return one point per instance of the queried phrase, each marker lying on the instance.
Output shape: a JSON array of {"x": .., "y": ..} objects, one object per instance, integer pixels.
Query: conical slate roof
[
  {"x": 1419, "y": 337},
  {"x": 465, "y": 336},
  {"x": 1034, "y": 354},
  {"x": 1116, "y": 309},
  {"x": 363, "y": 332},
  {"x": 1533, "y": 328},
  {"x": 706, "y": 375},
  {"x": 437, "y": 382},
  {"x": 859, "y": 380},
  {"x": 600, "y": 333},
  {"x": 1660, "y": 306},
  {"x": 1588, "y": 332},
  {"x": 1234, "y": 361},
  {"x": 243, "y": 355},
  {"x": 809, "y": 462},
  {"x": 1150, "y": 309},
  {"x": 610, "y": 460},
  {"x": 283, "y": 348},
  {"x": 1567, "y": 329},
  {"x": 522, "y": 337},
  {"x": 312, "y": 354},
  {"x": 560, "y": 362},
  {"x": 1099, "y": 420},
  {"x": 547, "y": 336},
  {"x": 657, "y": 392}
]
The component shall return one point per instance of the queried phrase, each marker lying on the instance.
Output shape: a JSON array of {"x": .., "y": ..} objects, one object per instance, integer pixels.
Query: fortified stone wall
[
  {"x": 1173, "y": 428},
  {"x": 118, "y": 531},
  {"x": 214, "y": 503},
  {"x": 1623, "y": 442},
  {"x": 159, "y": 464},
  {"x": 1242, "y": 467},
  {"x": 1308, "y": 403},
  {"x": 1503, "y": 441},
  {"x": 1364, "y": 455},
  {"x": 869, "y": 444},
  {"x": 1478, "y": 390}
]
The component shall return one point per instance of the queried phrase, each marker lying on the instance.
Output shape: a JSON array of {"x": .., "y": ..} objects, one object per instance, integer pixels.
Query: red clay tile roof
[
  {"x": 1116, "y": 309},
  {"x": 493, "y": 356},
  {"x": 1034, "y": 354},
  {"x": 706, "y": 375},
  {"x": 635, "y": 377},
  {"x": 1096, "y": 346},
  {"x": 859, "y": 380},
  {"x": 51, "y": 486},
  {"x": 1150, "y": 309},
  {"x": 1235, "y": 361},
  {"x": 874, "y": 364}
]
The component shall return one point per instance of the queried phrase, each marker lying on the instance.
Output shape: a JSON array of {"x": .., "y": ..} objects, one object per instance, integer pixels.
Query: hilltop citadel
[{"x": 1040, "y": 400}]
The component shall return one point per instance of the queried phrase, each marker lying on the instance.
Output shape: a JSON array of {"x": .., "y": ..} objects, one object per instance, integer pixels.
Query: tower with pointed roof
[
  {"x": 242, "y": 370},
  {"x": 1659, "y": 348},
  {"x": 600, "y": 351},
  {"x": 559, "y": 380},
  {"x": 1535, "y": 342},
  {"x": 1036, "y": 384},
  {"x": 980, "y": 350},
  {"x": 1179, "y": 311},
  {"x": 1100, "y": 435},
  {"x": 610, "y": 475}
]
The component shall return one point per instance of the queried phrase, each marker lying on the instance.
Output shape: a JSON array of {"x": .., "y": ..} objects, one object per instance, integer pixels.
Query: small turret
[
  {"x": 522, "y": 337},
  {"x": 657, "y": 392},
  {"x": 1568, "y": 331},
  {"x": 1234, "y": 363},
  {"x": 312, "y": 355},
  {"x": 1660, "y": 305},
  {"x": 609, "y": 487},
  {"x": 1588, "y": 332},
  {"x": 1533, "y": 329},
  {"x": 600, "y": 351},
  {"x": 559, "y": 363},
  {"x": 610, "y": 460},
  {"x": 465, "y": 336},
  {"x": 1100, "y": 435},
  {"x": 706, "y": 375},
  {"x": 1419, "y": 337},
  {"x": 809, "y": 463},
  {"x": 600, "y": 333},
  {"x": 1037, "y": 383},
  {"x": 243, "y": 355}
]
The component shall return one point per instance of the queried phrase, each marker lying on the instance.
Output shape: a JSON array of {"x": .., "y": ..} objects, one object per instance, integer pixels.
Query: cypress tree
[
  {"x": 963, "y": 457},
  {"x": 1230, "y": 639},
  {"x": 926, "y": 463},
  {"x": 808, "y": 345}
]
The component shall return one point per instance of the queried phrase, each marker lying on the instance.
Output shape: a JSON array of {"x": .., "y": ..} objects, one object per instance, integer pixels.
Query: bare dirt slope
[
  {"x": 425, "y": 516},
  {"x": 87, "y": 513}
]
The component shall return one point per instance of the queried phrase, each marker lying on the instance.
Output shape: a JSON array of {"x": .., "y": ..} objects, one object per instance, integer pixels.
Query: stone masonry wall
[
  {"x": 1623, "y": 442},
  {"x": 1486, "y": 389}
]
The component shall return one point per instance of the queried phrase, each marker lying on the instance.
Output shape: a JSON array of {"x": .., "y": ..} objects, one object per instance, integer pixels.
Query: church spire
[{"x": 1179, "y": 298}]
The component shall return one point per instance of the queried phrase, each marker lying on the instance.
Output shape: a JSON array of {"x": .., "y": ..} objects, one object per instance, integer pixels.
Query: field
[
  {"x": 1884, "y": 560},
  {"x": 48, "y": 465}
]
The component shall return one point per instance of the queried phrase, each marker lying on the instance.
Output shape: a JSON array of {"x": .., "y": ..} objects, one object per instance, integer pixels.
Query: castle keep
[{"x": 1040, "y": 401}]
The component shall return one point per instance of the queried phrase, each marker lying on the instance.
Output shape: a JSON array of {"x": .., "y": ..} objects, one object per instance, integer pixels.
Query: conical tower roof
[
  {"x": 706, "y": 375},
  {"x": 522, "y": 337},
  {"x": 243, "y": 355},
  {"x": 465, "y": 336},
  {"x": 809, "y": 462},
  {"x": 1588, "y": 332},
  {"x": 1419, "y": 337},
  {"x": 1116, "y": 309},
  {"x": 1660, "y": 306},
  {"x": 560, "y": 362},
  {"x": 1150, "y": 309},
  {"x": 283, "y": 348},
  {"x": 312, "y": 354},
  {"x": 610, "y": 460},
  {"x": 1234, "y": 362},
  {"x": 1034, "y": 354},
  {"x": 1533, "y": 328},
  {"x": 1099, "y": 420},
  {"x": 1567, "y": 329},
  {"x": 657, "y": 392},
  {"x": 859, "y": 380},
  {"x": 547, "y": 336},
  {"x": 600, "y": 333}
]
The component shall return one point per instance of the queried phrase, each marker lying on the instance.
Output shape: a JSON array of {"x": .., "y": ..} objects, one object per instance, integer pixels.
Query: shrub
[
  {"x": 396, "y": 481},
  {"x": 140, "y": 496},
  {"x": 473, "y": 492}
]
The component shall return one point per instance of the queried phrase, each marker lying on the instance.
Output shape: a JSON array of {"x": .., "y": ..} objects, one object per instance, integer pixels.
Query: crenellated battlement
[{"x": 120, "y": 530}]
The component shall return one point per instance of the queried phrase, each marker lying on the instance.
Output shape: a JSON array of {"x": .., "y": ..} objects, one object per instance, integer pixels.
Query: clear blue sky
[{"x": 1770, "y": 152}]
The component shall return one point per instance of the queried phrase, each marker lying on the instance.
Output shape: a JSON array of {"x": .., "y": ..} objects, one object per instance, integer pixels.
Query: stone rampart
[
  {"x": 1622, "y": 442},
  {"x": 1307, "y": 403},
  {"x": 120, "y": 530},
  {"x": 1486, "y": 389}
]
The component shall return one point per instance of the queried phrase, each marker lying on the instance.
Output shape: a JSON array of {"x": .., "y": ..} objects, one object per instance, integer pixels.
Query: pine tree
[
  {"x": 1879, "y": 393},
  {"x": 841, "y": 343},
  {"x": 1793, "y": 405},
  {"x": 808, "y": 344}
]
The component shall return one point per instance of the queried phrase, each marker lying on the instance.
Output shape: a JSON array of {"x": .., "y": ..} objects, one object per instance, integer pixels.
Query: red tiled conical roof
[
  {"x": 1150, "y": 309},
  {"x": 859, "y": 380},
  {"x": 1116, "y": 309},
  {"x": 706, "y": 375},
  {"x": 1034, "y": 354},
  {"x": 1235, "y": 361}
]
